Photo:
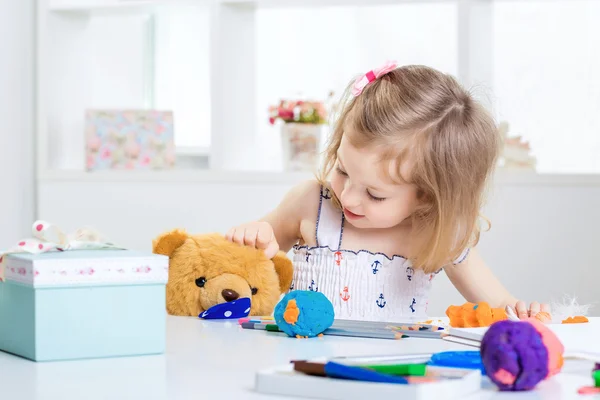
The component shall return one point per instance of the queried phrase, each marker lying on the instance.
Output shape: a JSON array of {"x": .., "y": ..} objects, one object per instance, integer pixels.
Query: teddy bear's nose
[{"x": 229, "y": 295}]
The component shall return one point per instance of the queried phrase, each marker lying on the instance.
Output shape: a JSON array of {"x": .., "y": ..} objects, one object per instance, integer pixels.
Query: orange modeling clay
[
  {"x": 580, "y": 319},
  {"x": 543, "y": 317},
  {"x": 470, "y": 315}
]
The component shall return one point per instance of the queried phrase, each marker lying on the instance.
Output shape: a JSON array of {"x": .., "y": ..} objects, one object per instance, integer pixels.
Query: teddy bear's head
[{"x": 206, "y": 270}]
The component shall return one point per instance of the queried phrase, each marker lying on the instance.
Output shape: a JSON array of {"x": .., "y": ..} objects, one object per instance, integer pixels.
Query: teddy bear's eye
[
  {"x": 254, "y": 290},
  {"x": 200, "y": 281}
]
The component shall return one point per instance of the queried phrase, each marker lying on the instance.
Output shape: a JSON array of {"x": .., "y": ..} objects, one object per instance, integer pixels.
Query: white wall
[
  {"x": 542, "y": 243},
  {"x": 17, "y": 119}
]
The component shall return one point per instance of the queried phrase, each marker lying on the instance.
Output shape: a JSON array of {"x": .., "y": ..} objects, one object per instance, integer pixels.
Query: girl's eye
[
  {"x": 374, "y": 198},
  {"x": 340, "y": 171}
]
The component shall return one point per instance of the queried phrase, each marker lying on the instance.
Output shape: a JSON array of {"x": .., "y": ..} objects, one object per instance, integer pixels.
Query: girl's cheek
[{"x": 337, "y": 185}]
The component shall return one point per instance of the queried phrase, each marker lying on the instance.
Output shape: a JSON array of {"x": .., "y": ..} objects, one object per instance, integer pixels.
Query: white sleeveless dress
[{"x": 361, "y": 285}]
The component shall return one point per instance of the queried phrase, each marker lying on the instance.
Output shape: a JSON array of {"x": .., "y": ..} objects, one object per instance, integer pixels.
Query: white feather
[{"x": 568, "y": 308}]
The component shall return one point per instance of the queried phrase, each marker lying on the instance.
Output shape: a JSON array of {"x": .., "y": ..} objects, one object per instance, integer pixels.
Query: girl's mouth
[{"x": 350, "y": 215}]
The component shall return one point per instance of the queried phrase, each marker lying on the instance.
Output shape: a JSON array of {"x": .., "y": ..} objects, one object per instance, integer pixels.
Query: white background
[
  {"x": 544, "y": 238},
  {"x": 545, "y": 63}
]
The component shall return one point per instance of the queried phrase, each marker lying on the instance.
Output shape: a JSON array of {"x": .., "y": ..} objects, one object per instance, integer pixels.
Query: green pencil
[{"x": 400, "y": 369}]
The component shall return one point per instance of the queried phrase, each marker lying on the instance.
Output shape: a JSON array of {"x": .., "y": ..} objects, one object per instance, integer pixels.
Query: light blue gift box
[{"x": 83, "y": 304}]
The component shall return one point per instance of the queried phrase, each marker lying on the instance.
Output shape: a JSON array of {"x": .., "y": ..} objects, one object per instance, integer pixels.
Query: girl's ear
[
  {"x": 285, "y": 270},
  {"x": 167, "y": 243}
]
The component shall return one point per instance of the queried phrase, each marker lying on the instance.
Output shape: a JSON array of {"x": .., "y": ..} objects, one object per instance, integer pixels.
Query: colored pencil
[
  {"x": 372, "y": 334},
  {"x": 340, "y": 323},
  {"x": 410, "y": 358},
  {"x": 357, "y": 326},
  {"x": 364, "y": 333},
  {"x": 413, "y": 373},
  {"x": 401, "y": 326},
  {"x": 364, "y": 324},
  {"x": 409, "y": 330}
]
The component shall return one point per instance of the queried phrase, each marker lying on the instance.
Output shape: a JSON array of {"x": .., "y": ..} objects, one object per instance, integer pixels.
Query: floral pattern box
[{"x": 129, "y": 139}]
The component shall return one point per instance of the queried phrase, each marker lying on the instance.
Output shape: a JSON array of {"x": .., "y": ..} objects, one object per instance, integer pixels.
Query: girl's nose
[{"x": 350, "y": 197}]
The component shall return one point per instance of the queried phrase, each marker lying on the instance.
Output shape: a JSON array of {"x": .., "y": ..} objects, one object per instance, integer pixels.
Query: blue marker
[
  {"x": 341, "y": 371},
  {"x": 458, "y": 359}
]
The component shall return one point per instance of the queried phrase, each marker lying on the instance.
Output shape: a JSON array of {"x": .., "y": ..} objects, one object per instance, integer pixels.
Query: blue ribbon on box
[{"x": 48, "y": 237}]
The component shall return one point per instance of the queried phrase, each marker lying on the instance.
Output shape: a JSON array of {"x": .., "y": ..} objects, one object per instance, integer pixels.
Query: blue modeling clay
[
  {"x": 239, "y": 308},
  {"x": 304, "y": 313}
]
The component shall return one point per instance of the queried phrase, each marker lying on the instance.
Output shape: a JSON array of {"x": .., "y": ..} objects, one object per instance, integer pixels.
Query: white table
[{"x": 217, "y": 360}]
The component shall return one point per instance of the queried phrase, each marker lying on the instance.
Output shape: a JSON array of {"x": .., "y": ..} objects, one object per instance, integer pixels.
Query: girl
[{"x": 397, "y": 201}]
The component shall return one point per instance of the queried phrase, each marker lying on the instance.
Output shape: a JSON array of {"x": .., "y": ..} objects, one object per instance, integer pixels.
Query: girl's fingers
[
  {"x": 521, "y": 310},
  {"x": 272, "y": 249},
  {"x": 250, "y": 236},
  {"x": 534, "y": 308},
  {"x": 263, "y": 238},
  {"x": 238, "y": 236},
  {"x": 545, "y": 308}
]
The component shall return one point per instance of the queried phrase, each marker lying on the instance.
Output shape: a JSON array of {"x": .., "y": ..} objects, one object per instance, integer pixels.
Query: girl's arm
[
  {"x": 281, "y": 228},
  {"x": 476, "y": 282},
  {"x": 297, "y": 205}
]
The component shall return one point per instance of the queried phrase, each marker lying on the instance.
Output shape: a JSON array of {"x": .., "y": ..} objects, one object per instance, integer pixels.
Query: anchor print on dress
[
  {"x": 375, "y": 266},
  {"x": 412, "y": 305},
  {"x": 381, "y": 301},
  {"x": 292, "y": 286},
  {"x": 344, "y": 294},
  {"x": 326, "y": 194},
  {"x": 312, "y": 287},
  {"x": 308, "y": 254},
  {"x": 409, "y": 273},
  {"x": 338, "y": 258}
]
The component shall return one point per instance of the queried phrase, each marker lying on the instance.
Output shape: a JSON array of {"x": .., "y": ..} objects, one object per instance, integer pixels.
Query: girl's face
[{"x": 369, "y": 198}]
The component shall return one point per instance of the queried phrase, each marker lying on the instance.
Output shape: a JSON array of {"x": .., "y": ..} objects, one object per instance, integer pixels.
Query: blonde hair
[{"x": 418, "y": 114}]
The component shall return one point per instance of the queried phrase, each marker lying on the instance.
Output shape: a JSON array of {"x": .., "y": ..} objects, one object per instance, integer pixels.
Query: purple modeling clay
[{"x": 517, "y": 355}]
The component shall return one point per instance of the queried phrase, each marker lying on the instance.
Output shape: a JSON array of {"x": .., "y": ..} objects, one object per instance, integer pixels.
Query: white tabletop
[{"x": 218, "y": 360}]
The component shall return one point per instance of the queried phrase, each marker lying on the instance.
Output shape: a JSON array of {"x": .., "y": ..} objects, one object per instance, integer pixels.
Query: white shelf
[
  {"x": 175, "y": 176},
  {"x": 533, "y": 179},
  {"x": 99, "y": 5},
  {"x": 502, "y": 178},
  {"x": 117, "y": 5},
  {"x": 325, "y": 3}
]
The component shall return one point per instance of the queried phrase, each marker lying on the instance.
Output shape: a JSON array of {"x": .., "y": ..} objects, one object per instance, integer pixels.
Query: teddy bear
[{"x": 207, "y": 270}]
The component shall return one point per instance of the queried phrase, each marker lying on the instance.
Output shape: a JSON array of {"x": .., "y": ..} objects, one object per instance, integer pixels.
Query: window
[
  {"x": 97, "y": 62},
  {"x": 181, "y": 76},
  {"x": 309, "y": 52},
  {"x": 546, "y": 81}
]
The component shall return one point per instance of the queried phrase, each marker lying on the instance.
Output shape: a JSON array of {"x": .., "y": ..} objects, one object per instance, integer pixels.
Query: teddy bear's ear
[
  {"x": 168, "y": 242},
  {"x": 285, "y": 270}
]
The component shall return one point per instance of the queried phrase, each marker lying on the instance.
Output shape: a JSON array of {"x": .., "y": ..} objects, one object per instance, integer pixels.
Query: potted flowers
[{"x": 301, "y": 132}]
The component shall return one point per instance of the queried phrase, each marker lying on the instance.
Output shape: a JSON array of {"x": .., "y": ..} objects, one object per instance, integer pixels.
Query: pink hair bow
[{"x": 370, "y": 76}]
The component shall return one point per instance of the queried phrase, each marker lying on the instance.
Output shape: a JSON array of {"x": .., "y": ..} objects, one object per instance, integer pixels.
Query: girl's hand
[
  {"x": 257, "y": 234},
  {"x": 520, "y": 309}
]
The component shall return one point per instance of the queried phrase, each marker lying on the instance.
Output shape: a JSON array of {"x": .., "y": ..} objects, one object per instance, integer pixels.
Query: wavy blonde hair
[{"x": 420, "y": 115}]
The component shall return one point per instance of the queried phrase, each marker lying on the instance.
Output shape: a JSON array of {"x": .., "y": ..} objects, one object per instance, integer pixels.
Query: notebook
[{"x": 576, "y": 338}]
